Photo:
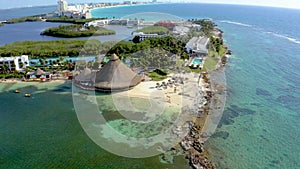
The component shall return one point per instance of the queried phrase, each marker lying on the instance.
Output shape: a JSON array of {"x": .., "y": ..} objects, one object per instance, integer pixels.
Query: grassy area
[
  {"x": 210, "y": 63},
  {"x": 1, "y": 24},
  {"x": 75, "y": 30},
  {"x": 37, "y": 49},
  {"x": 195, "y": 70},
  {"x": 157, "y": 76},
  {"x": 160, "y": 30},
  {"x": 222, "y": 51}
]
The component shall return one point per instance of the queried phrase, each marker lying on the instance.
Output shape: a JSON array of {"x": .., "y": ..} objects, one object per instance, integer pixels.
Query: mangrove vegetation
[{"x": 77, "y": 30}]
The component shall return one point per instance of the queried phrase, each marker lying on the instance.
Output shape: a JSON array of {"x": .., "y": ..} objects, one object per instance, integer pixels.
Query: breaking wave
[
  {"x": 236, "y": 23},
  {"x": 285, "y": 37}
]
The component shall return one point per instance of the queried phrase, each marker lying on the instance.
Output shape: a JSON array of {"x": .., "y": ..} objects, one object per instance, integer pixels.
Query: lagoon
[{"x": 31, "y": 31}]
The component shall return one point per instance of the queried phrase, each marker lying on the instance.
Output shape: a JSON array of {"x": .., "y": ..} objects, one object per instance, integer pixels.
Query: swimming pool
[{"x": 197, "y": 61}]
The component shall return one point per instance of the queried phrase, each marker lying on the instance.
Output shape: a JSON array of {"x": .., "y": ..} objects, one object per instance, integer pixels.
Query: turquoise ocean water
[{"x": 259, "y": 127}]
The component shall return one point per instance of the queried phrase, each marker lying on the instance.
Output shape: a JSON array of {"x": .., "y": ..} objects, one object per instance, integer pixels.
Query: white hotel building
[
  {"x": 62, "y": 5},
  {"x": 14, "y": 63}
]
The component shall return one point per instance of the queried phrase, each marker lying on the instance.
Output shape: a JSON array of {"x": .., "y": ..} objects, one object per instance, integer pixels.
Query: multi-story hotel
[
  {"x": 62, "y": 5},
  {"x": 14, "y": 63}
]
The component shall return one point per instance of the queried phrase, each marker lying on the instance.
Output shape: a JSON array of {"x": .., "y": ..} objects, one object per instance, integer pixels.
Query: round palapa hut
[
  {"x": 115, "y": 75},
  {"x": 84, "y": 76}
]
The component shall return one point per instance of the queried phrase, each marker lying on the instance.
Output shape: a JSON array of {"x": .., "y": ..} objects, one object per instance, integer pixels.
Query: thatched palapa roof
[
  {"x": 115, "y": 75},
  {"x": 39, "y": 72},
  {"x": 85, "y": 76}
]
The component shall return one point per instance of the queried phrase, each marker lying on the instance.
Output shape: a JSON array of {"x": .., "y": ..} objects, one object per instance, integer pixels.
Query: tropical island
[{"x": 77, "y": 30}]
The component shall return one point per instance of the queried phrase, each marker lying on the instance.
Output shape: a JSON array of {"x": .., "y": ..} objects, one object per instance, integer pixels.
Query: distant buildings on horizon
[
  {"x": 74, "y": 11},
  {"x": 83, "y": 10}
]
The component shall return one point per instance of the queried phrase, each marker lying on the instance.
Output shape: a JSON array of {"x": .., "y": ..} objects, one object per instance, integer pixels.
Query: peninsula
[{"x": 153, "y": 56}]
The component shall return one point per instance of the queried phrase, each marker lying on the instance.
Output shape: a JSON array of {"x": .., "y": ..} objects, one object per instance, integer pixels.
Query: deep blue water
[{"x": 260, "y": 126}]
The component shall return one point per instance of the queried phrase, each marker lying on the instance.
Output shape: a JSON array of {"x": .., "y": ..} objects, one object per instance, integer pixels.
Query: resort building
[
  {"x": 180, "y": 30},
  {"x": 62, "y": 5},
  {"x": 118, "y": 21},
  {"x": 97, "y": 23},
  {"x": 167, "y": 24},
  {"x": 103, "y": 22},
  {"x": 132, "y": 23},
  {"x": 113, "y": 76},
  {"x": 85, "y": 78},
  {"x": 142, "y": 36},
  {"x": 14, "y": 63},
  {"x": 198, "y": 45},
  {"x": 38, "y": 75},
  {"x": 128, "y": 2},
  {"x": 74, "y": 11}
]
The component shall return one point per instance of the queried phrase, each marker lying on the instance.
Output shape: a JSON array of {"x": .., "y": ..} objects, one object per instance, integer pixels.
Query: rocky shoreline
[
  {"x": 214, "y": 94},
  {"x": 193, "y": 143}
]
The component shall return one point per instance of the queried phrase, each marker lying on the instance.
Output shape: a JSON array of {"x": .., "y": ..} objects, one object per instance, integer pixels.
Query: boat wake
[{"x": 235, "y": 23}]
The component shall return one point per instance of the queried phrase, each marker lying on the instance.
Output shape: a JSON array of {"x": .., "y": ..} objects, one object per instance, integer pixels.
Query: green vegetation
[
  {"x": 170, "y": 44},
  {"x": 71, "y": 31},
  {"x": 210, "y": 63},
  {"x": 24, "y": 19},
  {"x": 194, "y": 70},
  {"x": 37, "y": 49},
  {"x": 217, "y": 46},
  {"x": 154, "y": 58},
  {"x": 8, "y": 75},
  {"x": 158, "y": 74},
  {"x": 160, "y": 30},
  {"x": 66, "y": 19},
  {"x": 1, "y": 24},
  {"x": 206, "y": 26}
]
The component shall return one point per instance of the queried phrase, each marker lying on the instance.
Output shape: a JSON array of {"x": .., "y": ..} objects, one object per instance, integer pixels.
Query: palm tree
[
  {"x": 5, "y": 67},
  {"x": 21, "y": 65}
]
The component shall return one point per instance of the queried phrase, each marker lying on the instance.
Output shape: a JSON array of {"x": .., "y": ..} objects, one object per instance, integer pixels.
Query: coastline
[
  {"x": 203, "y": 124},
  {"x": 214, "y": 99}
]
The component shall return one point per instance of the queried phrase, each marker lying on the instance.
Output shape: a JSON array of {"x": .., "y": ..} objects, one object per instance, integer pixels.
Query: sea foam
[
  {"x": 236, "y": 23},
  {"x": 294, "y": 40}
]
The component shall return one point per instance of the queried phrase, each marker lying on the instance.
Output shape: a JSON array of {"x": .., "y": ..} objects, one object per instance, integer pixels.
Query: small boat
[
  {"x": 27, "y": 95},
  {"x": 17, "y": 91}
]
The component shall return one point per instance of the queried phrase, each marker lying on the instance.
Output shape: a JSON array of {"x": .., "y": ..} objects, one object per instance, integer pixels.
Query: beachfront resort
[{"x": 166, "y": 61}]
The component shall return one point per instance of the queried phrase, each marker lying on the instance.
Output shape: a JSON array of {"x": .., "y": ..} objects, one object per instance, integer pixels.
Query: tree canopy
[
  {"x": 76, "y": 30},
  {"x": 56, "y": 48},
  {"x": 170, "y": 44}
]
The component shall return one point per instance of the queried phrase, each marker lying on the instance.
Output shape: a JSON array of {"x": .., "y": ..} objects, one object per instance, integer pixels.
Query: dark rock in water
[
  {"x": 288, "y": 98},
  {"x": 263, "y": 92},
  {"x": 256, "y": 104},
  {"x": 290, "y": 102},
  {"x": 222, "y": 134},
  {"x": 58, "y": 90},
  {"x": 66, "y": 87},
  {"x": 232, "y": 112}
]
